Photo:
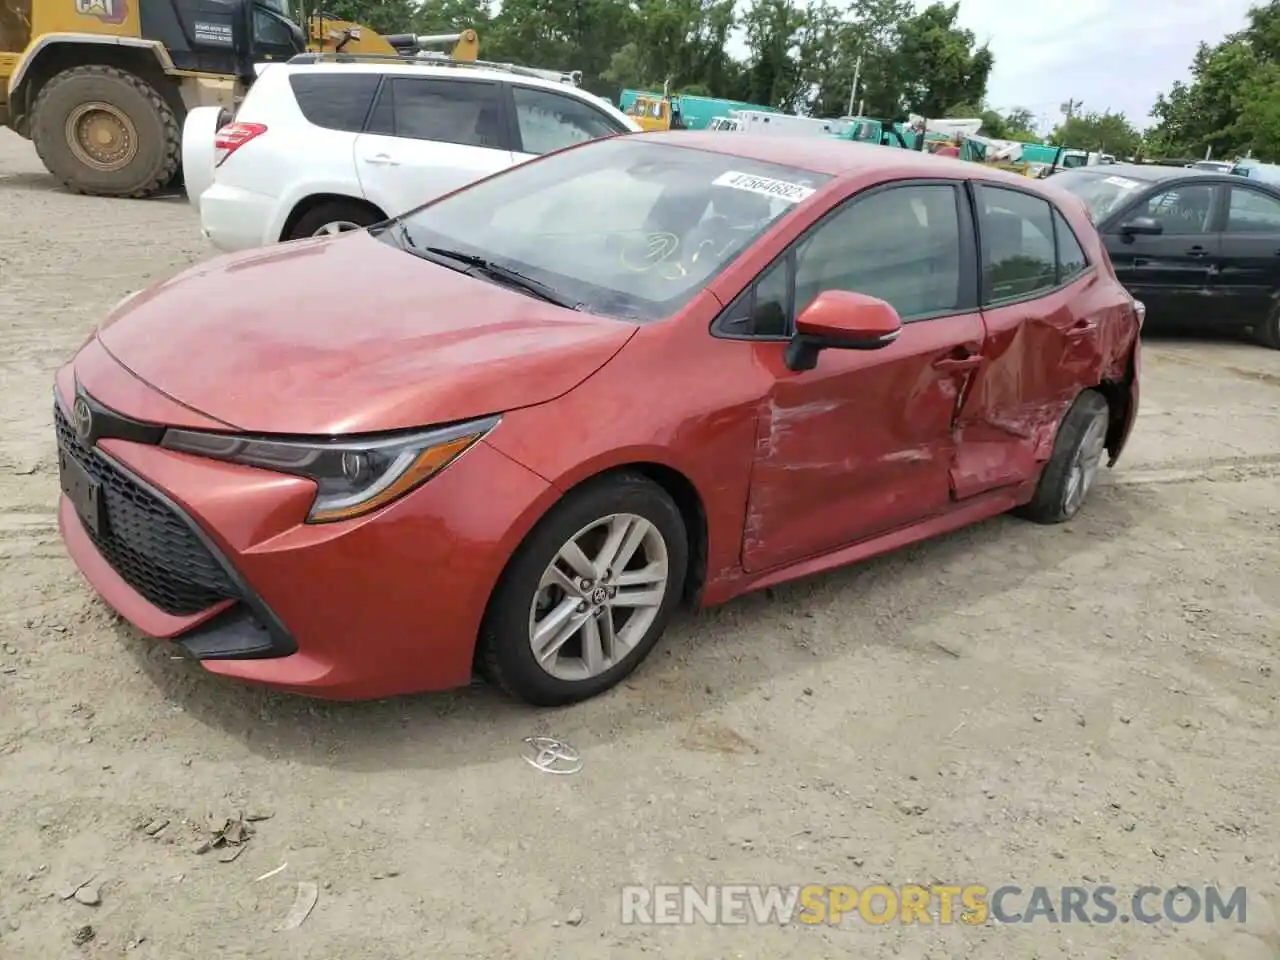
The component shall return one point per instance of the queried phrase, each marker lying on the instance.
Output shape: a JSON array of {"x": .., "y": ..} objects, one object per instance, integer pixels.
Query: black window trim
[
  {"x": 969, "y": 276},
  {"x": 504, "y": 105},
  {"x": 1245, "y": 187},
  {"x": 513, "y": 119},
  {"x": 1059, "y": 284}
]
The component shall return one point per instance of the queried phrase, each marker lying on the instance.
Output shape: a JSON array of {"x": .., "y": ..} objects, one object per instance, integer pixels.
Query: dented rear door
[{"x": 1044, "y": 316}]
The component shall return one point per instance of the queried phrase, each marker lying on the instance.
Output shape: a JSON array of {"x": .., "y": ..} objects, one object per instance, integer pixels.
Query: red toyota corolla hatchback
[{"x": 513, "y": 429}]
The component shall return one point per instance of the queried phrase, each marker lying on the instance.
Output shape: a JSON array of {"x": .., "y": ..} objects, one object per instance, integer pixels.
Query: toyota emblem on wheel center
[
  {"x": 551, "y": 756},
  {"x": 82, "y": 418}
]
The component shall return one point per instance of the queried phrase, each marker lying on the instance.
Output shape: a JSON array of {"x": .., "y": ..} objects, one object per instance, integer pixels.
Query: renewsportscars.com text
[{"x": 970, "y": 904}]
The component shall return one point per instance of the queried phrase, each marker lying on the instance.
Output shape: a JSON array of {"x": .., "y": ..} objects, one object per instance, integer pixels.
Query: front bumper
[{"x": 216, "y": 557}]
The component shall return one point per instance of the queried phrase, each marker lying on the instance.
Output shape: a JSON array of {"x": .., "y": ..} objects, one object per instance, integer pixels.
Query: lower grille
[{"x": 145, "y": 541}]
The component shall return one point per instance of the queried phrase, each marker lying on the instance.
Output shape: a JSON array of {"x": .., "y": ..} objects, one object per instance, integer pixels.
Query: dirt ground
[{"x": 1090, "y": 703}]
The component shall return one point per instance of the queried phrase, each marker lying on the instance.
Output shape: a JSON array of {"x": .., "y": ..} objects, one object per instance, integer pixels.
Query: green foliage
[
  {"x": 801, "y": 54},
  {"x": 1232, "y": 104},
  {"x": 1104, "y": 132}
]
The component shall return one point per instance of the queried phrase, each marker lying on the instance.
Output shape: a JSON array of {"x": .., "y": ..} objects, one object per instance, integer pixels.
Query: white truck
[{"x": 783, "y": 124}]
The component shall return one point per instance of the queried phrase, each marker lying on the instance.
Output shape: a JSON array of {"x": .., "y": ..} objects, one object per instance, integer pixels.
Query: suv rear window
[{"x": 335, "y": 101}]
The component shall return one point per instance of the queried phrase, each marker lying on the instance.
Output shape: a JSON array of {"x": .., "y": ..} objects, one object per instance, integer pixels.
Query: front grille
[{"x": 150, "y": 546}]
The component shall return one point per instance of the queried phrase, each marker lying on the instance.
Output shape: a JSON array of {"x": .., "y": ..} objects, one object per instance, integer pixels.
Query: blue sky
[{"x": 1108, "y": 54}]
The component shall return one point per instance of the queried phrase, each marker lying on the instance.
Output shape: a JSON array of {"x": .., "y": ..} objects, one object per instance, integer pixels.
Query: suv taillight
[{"x": 232, "y": 137}]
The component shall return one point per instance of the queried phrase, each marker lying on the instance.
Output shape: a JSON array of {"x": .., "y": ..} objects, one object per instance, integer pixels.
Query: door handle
[
  {"x": 382, "y": 159},
  {"x": 1197, "y": 251},
  {"x": 1141, "y": 262},
  {"x": 958, "y": 364}
]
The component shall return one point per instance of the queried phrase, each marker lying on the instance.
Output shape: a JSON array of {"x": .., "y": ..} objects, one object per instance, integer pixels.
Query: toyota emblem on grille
[{"x": 82, "y": 418}]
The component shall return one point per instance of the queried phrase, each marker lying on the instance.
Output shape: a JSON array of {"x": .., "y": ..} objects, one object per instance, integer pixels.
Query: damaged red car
[{"x": 510, "y": 431}]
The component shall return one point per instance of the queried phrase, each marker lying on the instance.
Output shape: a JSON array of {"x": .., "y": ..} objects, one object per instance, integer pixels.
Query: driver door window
[
  {"x": 1182, "y": 212},
  {"x": 549, "y": 121},
  {"x": 900, "y": 244}
]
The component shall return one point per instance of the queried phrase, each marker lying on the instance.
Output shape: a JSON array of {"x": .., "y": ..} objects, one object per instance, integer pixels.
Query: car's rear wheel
[
  {"x": 1074, "y": 465},
  {"x": 333, "y": 217},
  {"x": 1268, "y": 332},
  {"x": 588, "y": 594}
]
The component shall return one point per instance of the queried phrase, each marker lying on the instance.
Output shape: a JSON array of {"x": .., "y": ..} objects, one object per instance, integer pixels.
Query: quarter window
[
  {"x": 549, "y": 121},
  {"x": 901, "y": 245},
  {"x": 1252, "y": 212},
  {"x": 446, "y": 111},
  {"x": 335, "y": 101},
  {"x": 1018, "y": 252},
  {"x": 1071, "y": 259}
]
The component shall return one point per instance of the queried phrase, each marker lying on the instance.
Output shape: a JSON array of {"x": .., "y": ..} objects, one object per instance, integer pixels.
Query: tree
[
  {"x": 1228, "y": 108},
  {"x": 937, "y": 64},
  {"x": 1104, "y": 132}
]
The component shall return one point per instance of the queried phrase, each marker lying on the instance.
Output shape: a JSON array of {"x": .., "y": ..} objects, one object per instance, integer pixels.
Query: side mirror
[
  {"x": 1141, "y": 227},
  {"x": 840, "y": 320}
]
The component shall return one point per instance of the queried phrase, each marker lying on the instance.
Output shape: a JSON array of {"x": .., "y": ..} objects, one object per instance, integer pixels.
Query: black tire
[
  {"x": 504, "y": 654},
  {"x": 158, "y": 131},
  {"x": 1052, "y": 502},
  {"x": 1268, "y": 332},
  {"x": 333, "y": 212}
]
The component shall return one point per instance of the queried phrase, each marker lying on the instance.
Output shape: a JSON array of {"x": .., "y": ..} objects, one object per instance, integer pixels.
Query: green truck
[{"x": 697, "y": 112}]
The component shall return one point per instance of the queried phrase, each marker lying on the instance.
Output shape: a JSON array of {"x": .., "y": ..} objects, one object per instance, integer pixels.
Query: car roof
[
  {"x": 832, "y": 156},
  {"x": 1146, "y": 172},
  {"x": 444, "y": 71}
]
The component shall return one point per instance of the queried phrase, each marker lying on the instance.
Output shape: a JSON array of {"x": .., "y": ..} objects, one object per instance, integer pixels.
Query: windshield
[
  {"x": 279, "y": 6},
  {"x": 624, "y": 227},
  {"x": 1102, "y": 193}
]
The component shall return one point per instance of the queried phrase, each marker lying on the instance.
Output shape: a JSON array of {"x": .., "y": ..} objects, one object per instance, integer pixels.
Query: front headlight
[{"x": 353, "y": 477}]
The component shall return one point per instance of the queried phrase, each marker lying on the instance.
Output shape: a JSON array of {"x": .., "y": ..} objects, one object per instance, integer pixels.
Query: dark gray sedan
[{"x": 1200, "y": 248}]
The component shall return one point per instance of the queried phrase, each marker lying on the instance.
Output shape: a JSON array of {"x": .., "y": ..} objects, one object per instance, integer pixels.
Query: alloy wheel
[
  {"x": 1085, "y": 464},
  {"x": 598, "y": 597},
  {"x": 336, "y": 226}
]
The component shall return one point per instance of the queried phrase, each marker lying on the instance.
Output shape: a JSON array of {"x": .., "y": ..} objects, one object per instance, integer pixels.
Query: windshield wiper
[{"x": 505, "y": 275}]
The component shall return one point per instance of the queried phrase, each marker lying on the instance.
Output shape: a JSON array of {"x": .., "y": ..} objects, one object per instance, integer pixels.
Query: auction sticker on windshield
[
  {"x": 765, "y": 186},
  {"x": 1121, "y": 182}
]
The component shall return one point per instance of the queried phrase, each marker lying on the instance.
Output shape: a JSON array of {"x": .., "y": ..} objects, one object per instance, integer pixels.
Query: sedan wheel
[
  {"x": 1073, "y": 467},
  {"x": 588, "y": 593},
  {"x": 598, "y": 597}
]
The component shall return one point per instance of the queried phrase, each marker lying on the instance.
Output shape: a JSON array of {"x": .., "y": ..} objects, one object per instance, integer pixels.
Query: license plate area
[{"x": 84, "y": 492}]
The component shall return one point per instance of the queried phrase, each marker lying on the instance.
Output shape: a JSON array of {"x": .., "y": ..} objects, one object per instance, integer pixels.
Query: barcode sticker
[{"x": 765, "y": 186}]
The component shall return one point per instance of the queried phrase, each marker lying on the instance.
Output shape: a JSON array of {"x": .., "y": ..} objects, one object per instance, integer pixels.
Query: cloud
[{"x": 1107, "y": 54}]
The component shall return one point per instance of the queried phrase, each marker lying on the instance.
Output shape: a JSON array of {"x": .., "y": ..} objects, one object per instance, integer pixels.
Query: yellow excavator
[{"x": 102, "y": 87}]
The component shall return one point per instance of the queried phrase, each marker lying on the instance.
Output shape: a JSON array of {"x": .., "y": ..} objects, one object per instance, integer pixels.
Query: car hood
[{"x": 350, "y": 334}]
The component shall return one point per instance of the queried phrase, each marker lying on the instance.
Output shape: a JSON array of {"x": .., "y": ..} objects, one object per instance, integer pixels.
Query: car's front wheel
[{"x": 588, "y": 594}]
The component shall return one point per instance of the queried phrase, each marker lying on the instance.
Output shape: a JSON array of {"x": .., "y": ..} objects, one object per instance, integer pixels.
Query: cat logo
[{"x": 108, "y": 11}]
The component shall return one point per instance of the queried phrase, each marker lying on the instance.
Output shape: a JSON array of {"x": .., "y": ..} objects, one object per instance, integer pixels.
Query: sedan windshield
[
  {"x": 1102, "y": 193},
  {"x": 621, "y": 227}
]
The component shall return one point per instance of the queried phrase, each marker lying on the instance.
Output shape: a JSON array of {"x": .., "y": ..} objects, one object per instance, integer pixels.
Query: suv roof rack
[{"x": 573, "y": 77}]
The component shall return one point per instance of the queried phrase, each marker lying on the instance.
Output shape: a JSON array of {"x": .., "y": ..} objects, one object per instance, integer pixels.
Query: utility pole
[
  {"x": 853, "y": 90},
  {"x": 1069, "y": 109}
]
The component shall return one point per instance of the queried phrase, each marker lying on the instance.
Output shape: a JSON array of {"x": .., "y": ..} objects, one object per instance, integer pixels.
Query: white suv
[{"x": 320, "y": 146}]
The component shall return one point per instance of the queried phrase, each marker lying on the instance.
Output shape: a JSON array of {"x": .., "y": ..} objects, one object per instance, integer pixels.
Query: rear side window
[
  {"x": 1018, "y": 251},
  {"x": 446, "y": 111},
  {"x": 335, "y": 101},
  {"x": 1071, "y": 259}
]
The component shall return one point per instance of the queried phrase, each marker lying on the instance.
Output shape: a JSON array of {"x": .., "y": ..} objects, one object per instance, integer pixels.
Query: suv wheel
[{"x": 336, "y": 216}]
